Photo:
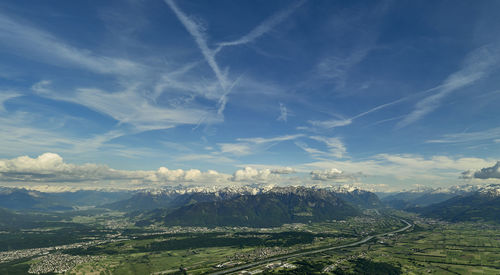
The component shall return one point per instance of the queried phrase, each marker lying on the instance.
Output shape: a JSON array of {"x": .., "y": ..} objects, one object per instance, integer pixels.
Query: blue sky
[{"x": 383, "y": 94}]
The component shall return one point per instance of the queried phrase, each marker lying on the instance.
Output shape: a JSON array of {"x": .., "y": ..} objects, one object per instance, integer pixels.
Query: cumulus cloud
[
  {"x": 51, "y": 168},
  {"x": 165, "y": 175},
  {"x": 332, "y": 174},
  {"x": 469, "y": 174},
  {"x": 51, "y": 171},
  {"x": 435, "y": 169},
  {"x": 492, "y": 172},
  {"x": 252, "y": 174}
]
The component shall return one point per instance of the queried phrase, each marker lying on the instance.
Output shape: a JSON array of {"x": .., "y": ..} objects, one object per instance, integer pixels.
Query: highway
[{"x": 299, "y": 254}]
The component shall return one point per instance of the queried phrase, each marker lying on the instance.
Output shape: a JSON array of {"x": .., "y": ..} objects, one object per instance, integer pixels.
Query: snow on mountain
[
  {"x": 491, "y": 189},
  {"x": 245, "y": 189}
]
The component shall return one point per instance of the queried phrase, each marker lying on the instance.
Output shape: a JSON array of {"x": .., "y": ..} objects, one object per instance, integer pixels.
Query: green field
[
  {"x": 428, "y": 247},
  {"x": 464, "y": 248}
]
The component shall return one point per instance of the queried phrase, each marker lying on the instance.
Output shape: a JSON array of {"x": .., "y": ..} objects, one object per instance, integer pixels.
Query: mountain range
[
  {"x": 264, "y": 208},
  {"x": 261, "y": 205},
  {"x": 482, "y": 204},
  {"x": 426, "y": 196},
  {"x": 23, "y": 199}
]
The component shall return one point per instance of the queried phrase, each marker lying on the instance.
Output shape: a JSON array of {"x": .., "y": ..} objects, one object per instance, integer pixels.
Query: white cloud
[
  {"x": 260, "y": 140},
  {"x": 492, "y": 172},
  {"x": 476, "y": 66},
  {"x": 42, "y": 87},
  {"x": 197, "y": 32},
  {"x": 331, "y": 174},
  {"x": 333, "y": 123},
  {"x": 264, "y": 27},
  {"x": 23, "y": 137},
  {"x": 335, "y": 146},
  {"x": 215, "y": 158},
  {"x": 312, "y": 151},
  {"x": 405, "y": 167},
  {"x": 199, "y": 36},
  {"x": 49, "y": 168},
  {"x": 490, "y": 134},
  {"x": 27, "y": 135},
  {"x": 33, "y": 43},
  {"x": 6, "y": 95},
  {"x": 253, "y": 175},
  {"x": 163, "y": 174},
  {"x": 247, "y": 146},
  {"x": 329, "y": 124},
  {"x": 336, "y": 68},
  {"x": 469, "y": 174},
  {"x": 51, "y": 171},
  {"x": 283, "y": 170},
  {"x": 130, "y": 106},
  {"x": 283, "y": 113},
  {"x": 235, "y": 148}
]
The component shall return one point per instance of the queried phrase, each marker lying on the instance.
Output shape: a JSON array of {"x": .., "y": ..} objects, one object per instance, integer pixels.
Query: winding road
[{"x": 293, "y": 255}]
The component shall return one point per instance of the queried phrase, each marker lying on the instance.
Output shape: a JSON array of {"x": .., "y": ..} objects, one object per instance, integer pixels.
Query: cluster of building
[
  {"x": 115, "y": 224},
  {"x": 227, "y": 264},
  {"x": 251, "y": 272},
  {"x": 58, "y": 263},
  {"x": 260, "y": 253},
  {"x": 270, "y": 266},
  {"x": 159, "y": 230},
  {"x": 341, "y": 262},
  {"x": 7, "y": 256},
  {"x": 180, "y": 229},
  {"x": 280, "y": 265}
]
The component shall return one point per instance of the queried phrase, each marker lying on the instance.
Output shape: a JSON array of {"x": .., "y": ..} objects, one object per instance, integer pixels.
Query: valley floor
[{"x": 428, "y": 247}]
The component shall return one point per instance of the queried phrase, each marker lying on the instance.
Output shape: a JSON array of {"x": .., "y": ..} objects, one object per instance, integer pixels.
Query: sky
[{"x": 384, "y": 95}]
